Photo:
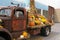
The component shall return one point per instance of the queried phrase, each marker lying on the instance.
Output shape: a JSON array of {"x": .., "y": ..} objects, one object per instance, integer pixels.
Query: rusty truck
[{"x": 15, "y": 20}]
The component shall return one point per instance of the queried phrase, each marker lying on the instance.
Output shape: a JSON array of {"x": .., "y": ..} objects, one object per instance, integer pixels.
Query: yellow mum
[
  {"x": 43, "y": 20},
  {"x": 25, "y": 34},
  {"x": 37, "y": 21}
]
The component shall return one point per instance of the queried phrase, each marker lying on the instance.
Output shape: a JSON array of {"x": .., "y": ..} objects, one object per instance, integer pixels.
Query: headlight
[
  {"x": 0, "y": 20},
  {"x": 1, "y": 23}
]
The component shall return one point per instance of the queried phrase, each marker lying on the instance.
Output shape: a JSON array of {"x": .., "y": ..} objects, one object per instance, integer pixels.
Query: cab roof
[{"x": 11, "y": 7}]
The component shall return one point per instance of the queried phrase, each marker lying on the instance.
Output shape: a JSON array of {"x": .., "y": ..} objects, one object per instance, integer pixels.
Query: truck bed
[{"x": 36, "y": 26}]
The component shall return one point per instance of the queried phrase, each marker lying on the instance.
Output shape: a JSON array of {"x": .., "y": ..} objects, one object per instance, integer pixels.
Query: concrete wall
[{"x": 57, "y": 15}]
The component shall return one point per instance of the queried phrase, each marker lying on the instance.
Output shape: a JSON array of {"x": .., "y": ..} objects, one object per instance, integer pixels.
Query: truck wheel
[
  {"x": 4, "y": 36},
  {"x": 1, "y": 38},
  {"x": 46, "y": 30}
]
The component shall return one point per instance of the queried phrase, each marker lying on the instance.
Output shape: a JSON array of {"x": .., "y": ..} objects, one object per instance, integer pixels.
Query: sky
[
  {"x": 53, "y": 3},
  {"x": 23, "y": 3},
  {"x": 37, "y": 4}
]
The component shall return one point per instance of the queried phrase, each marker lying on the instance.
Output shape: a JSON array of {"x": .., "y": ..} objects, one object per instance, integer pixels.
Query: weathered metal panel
[{"x": 51, "y": 11}]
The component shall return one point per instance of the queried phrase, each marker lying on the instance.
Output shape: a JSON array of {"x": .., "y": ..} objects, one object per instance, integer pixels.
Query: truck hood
[{"x": 5, "y": 18}]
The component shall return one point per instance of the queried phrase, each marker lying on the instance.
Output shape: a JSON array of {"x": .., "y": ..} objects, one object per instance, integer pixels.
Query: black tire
[
  {"x": 1, "y": 38},
  {"x": 45, "y": 31},
  {"x": 4, "y": 36}
]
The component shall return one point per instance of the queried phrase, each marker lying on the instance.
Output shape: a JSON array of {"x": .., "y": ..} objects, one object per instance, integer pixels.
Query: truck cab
[{"x": 13, "y": 20}]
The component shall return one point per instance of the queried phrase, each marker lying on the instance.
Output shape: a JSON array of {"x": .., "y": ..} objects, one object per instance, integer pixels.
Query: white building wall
[{"x": 57, "y": 15}]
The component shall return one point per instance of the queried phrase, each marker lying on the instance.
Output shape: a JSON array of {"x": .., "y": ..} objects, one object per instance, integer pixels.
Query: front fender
[{"x": 6, "y": 32}]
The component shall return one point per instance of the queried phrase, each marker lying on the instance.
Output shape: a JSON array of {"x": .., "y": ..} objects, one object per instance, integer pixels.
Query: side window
[
  {"x": 19, "y": 13},
  {"x": 6, "y": 12}
]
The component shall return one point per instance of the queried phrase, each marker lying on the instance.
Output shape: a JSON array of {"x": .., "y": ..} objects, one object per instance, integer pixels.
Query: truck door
[{"x": 19, "y": 21}]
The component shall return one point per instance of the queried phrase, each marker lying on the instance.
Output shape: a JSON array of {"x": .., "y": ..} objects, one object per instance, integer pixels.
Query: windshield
[{"x": 6, "y": 12}]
